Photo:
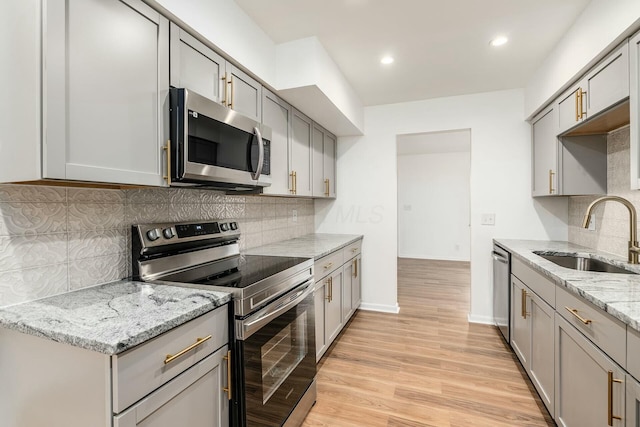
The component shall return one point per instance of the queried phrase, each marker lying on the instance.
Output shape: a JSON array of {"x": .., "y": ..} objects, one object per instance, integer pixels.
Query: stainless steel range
[{"x": 273, "y": 328}]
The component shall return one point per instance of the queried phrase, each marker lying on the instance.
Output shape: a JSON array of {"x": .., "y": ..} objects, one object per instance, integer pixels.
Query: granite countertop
[
  {"x": 617, "y": 294},
  {"x": 309, "y": 246},
  {"x": 111, "y": 318}
]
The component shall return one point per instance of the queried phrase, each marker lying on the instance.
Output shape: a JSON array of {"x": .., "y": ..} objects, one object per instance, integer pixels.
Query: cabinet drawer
[
  {"x": 539, "y": 284},
  {"x": 327, "y": 264},
  {"x": 139, "y": 371},
  {"x": 633, "y": 350},
  {"x": 606, "y": 332},
  {"x": 352, "y": 250}
]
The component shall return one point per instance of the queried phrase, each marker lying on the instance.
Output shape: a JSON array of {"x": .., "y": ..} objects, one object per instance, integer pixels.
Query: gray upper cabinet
[
  {"x": 196, "y": 67},
  {"x": 105, "y": 87},
  {"x": 324, "y": 163},
  {"x": 277, "y": 115},
  {"x": 300, "y": 154},
  {"x": 634, "y": 98},
  {"x": 608, "y": 83},
  {"x": 244, "y": 93},
  {"x": 545, "y": 153},
  {"x": 571, "y": 109}
]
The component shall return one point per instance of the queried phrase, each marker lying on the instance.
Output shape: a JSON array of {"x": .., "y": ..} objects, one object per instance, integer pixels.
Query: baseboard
[
  {"x": 383, "y": 308},
  {"x": 432, "y": 258},
  {"x": 485, "y": 320}
]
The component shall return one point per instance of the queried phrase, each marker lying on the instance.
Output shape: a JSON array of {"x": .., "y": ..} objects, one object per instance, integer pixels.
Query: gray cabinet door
[
  {"x": 195, "y": 398},
  {"x": 245, "y": 93},
  {"x": 106, "y": 85},
  {"x": 541, "y": 359},
  {"x": 608, "y": 83},
  {"x": 300, "y": 153},
  {"x": 586, "y": 381},
  {"x": 194, "y": 66},
  {"x": 572, "y": 107},
  {"x": 633, "y": 402},
  {"x": 324, "y": 163},
  {"x": 634, "y": 105},
  {"x": 318, "y": 300},
  {"x": 544, "y": 139},
  {"x": 333, "y": 306},
  {"x": 347, "y": 290},
  {"x": 329, "y": 166},
  {"x": 520, "y": 333},
  {"x": 356, "y": 286},
  {"x": 277, "y": 115}
]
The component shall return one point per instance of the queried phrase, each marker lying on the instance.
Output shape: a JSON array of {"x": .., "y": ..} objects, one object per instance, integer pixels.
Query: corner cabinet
[
  {"x": 105, "y": 92},
  {"x": 337, "y": 293},
  {"x": 324, "y": 163}
]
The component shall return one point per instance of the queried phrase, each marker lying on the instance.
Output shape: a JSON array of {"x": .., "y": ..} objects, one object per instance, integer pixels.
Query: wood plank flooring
[{"x": 426, "y": 366}]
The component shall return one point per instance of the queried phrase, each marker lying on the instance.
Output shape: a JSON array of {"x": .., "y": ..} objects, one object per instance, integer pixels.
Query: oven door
[
  {"x": 277, "y": 355},
  {"x": 217, "y": 144}
]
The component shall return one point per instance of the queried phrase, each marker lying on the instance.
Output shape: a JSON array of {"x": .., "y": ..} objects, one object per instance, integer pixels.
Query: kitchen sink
[{"x": 582, "y": 263}]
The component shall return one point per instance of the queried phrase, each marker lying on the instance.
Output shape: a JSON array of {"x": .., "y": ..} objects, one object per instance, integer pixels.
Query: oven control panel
[{"x": 152, "y": 235}]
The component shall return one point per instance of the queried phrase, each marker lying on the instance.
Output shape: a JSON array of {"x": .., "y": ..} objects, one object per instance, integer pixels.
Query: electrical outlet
[
  {"x": 592, "y": 222},
  {"x": 294, "y": 215},
  {"x": 488, "y": 219}
]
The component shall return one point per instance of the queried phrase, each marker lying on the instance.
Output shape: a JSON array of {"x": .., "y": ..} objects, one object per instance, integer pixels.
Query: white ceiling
[
  {"x": 455, "y": 141},
  {"x": 441, "y": 48}
]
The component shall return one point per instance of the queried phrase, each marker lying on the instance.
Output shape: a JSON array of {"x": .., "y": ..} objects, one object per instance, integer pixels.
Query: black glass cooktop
[{"x": 239, "y": 272}]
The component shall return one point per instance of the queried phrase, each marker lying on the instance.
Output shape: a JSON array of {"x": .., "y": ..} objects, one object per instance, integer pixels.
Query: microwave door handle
[{"x": 256, "y": 175}]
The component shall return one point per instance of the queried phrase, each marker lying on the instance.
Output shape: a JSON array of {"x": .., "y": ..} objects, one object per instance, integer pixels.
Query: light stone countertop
[
  {"x": 309, "y": 246},
  {"x": 113, "y": 317},
  {"x": 617, "y": 294}
]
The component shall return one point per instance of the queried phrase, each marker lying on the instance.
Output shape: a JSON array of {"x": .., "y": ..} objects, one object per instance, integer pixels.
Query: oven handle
[
  {"x": 251, "y": 324},
  {"x": 260, "y": 153}
]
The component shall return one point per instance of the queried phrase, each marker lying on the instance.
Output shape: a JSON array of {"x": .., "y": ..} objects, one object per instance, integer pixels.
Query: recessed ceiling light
[
  {"x": 386, "y": 60},
  {"x": 499, "y": 41}
]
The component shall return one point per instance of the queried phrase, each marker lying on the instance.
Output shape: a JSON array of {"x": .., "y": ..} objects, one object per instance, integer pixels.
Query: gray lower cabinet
[
  {"x": 333, "y": 306},
  {"x": 324, "y": 163},
  {"x": 633, "y": 402},
  {"x": 356, "y": 285},
  {"x": 318, "y": 300},
  {"x": 532, "y": 331},
  {"x": 194, "y": 398},
  {"x": 105, "y": 87},
  {"x": 277, "y": 114},
  {"x": 589, "y": 387}
]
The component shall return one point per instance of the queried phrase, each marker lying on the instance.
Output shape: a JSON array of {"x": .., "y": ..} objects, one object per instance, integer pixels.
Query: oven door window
[
  {"x": 215, "y": 143},
  {"x": 279, "y": 365}
]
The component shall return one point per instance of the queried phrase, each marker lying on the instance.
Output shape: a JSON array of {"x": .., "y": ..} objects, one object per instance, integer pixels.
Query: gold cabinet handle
[
  {"x": 224, "y": 82},
  {"x": 354, "y": 250},
  {"x": 293, "y": 186},
  {"x": 523, "y": 303},
  {"x": 582, "y": 111},
  {"x": 231, "y": 97},
  {"x": 331, "y": 288},
  {"x": 551, "y": 174},
  {"x": 227, "y": 389},
  {"x": 295, "y": 182},
  {"x": 355, "y": 268},
  {"x": 199, "y": 341},
  {"x": 167, "y": 148},
  {"x": 574, "y": 311},
  {"x": 326, "y": 187},
  {"x": 328, "y": 266},
  {"x": 578, "y": 92},
  {"x": 610, "y": 381}
]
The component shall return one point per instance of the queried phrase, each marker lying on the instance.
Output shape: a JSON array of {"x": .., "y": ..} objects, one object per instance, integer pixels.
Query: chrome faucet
[{"x": 634, "y": 250}]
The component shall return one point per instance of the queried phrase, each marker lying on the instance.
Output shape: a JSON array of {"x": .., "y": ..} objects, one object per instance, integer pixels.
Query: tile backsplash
[
  {"x": 612, "y": 219},
  {"x": 55, "y": 239}
]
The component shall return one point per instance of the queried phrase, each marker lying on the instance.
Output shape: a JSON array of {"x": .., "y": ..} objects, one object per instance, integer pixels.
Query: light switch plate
[
  {"x": 294, "y": 215},
  {"x": 592, "y": 222},
  {"x": 488, "y": 219}
]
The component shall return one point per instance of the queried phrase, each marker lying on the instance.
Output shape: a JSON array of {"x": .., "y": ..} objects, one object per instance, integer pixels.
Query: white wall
[
  {"x": 500, "y": 184},
  {"x": 602, "y": 25},
  {"x": 433, "y": 206}
]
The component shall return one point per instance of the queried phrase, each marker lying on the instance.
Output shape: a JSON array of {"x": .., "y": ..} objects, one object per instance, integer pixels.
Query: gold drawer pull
[
  {"x": 328, "y": 265},
  {"x": 610, "y": 381},
  {"x": 227, "y": 389},
  {"x": 523, "y": 303},
  {"x": 354, "y": 250},
  {"x": 574, "y": 311},
  {"x": 170, "y": 358}
]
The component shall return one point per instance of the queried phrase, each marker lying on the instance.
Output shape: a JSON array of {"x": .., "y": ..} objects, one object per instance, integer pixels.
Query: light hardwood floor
[{"x": 426, "y": 366}]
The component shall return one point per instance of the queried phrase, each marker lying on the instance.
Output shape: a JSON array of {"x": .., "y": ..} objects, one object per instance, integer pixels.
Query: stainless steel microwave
[{"x": 216, "y": 147}]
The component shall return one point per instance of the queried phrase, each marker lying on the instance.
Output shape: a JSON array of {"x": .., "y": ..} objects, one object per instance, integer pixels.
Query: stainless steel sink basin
[{"x": 584, "y": 264}]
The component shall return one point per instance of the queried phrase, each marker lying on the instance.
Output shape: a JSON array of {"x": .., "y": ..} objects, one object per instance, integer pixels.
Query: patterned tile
[
  {"x": 89, "y": 195},
  {"x": 213, "y": 211},
  {"x": 90, "y": 244},
  {"x": 32, "y": 283},
  {"x": 146, "y": 213},
  {"x": 235, "y": 211},
  {"x": 32, "y": 218},
  {"x": 212, "y": 196},
  {"x": 22, "y": 252},
  {"x": 147, "y": 196},
  {"x": 183, "y": 196},
  {"x": 32, "y": 193},
  {"x": 185, "y": 212},
  {"x": 96, "y": 216},
  {"x": 93, "y": 271}
]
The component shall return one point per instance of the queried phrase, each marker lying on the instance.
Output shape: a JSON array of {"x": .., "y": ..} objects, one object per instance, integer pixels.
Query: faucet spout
[{"x": 634, "y": 250}]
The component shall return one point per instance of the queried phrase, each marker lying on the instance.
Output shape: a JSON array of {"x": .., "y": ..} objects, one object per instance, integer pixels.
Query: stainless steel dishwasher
[{"x": 501, "y": 289}]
